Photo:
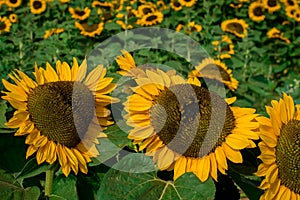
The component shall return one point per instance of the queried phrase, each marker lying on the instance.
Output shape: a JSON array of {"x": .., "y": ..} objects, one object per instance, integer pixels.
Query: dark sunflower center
[
  {"x": 184, "y": 118},
  {"x": 177, "y": 4},
  {"x": 37, "y": 5},
  {"x": 79, "y": 12},
  {"x": 151, "y": 18},
  {"x": 187, "y": 1},
  {"x": 290, "y": 2},
  {"x": 62, "y": 111},
  {"x": 147, "y": 10},
  {"x": 2, "y": 26},
  {"x": 288, "y": 154},
  {"x": 225, "y": 49},
  {"x": 258, "y": 11},
  {"x": 272, "y": 3},
  {"x": 90, "y": 28},
  {"x": 13, "y": 1},
  {"x": 237, "y": 27}
]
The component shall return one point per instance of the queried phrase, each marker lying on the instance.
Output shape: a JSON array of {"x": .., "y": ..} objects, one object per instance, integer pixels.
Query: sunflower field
[{"x": 154, "y": 100}]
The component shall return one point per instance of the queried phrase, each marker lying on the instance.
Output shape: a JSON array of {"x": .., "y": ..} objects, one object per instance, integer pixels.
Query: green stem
[{"x": 49, "y": 181}]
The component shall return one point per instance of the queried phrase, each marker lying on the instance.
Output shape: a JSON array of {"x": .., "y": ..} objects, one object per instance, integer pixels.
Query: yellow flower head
[
  {"x": 60, "y": 112},
  {"x": 280, "y": 150}
]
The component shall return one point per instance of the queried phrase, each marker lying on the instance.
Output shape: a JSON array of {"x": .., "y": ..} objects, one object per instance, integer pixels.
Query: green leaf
[
  {"x": 31, "y": 169},
  {"x": 9, "y": 189},
  {"x": 134, "y": 177},
  {"x": 250, "y": 187},
  {"x": 3, "y": 108},
  {"x": 110, "y": 146},
  {"x": 64, "y": 188}
]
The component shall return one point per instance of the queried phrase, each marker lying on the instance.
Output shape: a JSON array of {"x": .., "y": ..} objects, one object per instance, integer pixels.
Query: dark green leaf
[
  {"x": 64, "y": 188},
  {"x": 32, "y": 169},
  {"x": 134, "y": 177},
  {"x": 9, "y": 189}
]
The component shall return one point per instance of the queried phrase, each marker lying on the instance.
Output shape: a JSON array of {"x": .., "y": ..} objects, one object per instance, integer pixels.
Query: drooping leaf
[
  {"x": 10, "y": 189},
  {"x": 134, "y": 177},
  {"x": 64, "y": 188}
]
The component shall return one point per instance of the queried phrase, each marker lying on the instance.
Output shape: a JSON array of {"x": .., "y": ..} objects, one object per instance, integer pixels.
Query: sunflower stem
[{"x": 49, "y": 181}]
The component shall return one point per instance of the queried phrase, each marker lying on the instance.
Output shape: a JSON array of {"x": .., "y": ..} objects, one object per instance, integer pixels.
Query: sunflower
[
  {"x": 275, "y": 33},
  {"x": 37, "y": 6},
  {"x": 151, "y": 19},
  {"x": 193, "y": 27},
  {"x": 102, "y": 6},
  {"x": 64, "y": 1},
  {"x": 237, "y": 27},
  {"x": 179, "y": 27},
  {"x": 256, "y": 11},
  {"x": 225, "y": 47},
  {"x": 271, "y": 5},
  {"x": 13, "y": 18},
  {"x": 215, "y": 70},
  {"x": 13, "y": 3},
  {"x": 90, "y": 30},
  {"x": 290, "y": 11},
  {"x": 187, "y": 3},
  {"x": 180, "y": 138},
  {"x": 60, "y": 112},
  {"x": 5, "y": 24},
  {"x": 145, "y": 9},
  {"x": 124, "y": 25},
  {"x": 52, "y": 31},
  {"x": 297, "y": 15},
  {"x": 236, "y": 6},
  {"x": 176, "y": 5},
  {"x": 77, "y": 13},
  {"x": 289, "y": 3},
  {"x": 280, "y": 150}
]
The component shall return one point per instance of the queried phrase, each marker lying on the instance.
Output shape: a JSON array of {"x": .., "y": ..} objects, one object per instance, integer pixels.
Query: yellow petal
[
  {"x": 180, "y": 167},
  {"x": 74, "y": 69},
  {"x": 213, "y": 166},
  {"x": 237, "y": 141},
  {"x": 165, "y": 159},
  {"x": 221, "y": 160},
  {"x": 233, "y": 155},
  {"x": 203, "y": 168},
  {"x": 50, "y": 74}
]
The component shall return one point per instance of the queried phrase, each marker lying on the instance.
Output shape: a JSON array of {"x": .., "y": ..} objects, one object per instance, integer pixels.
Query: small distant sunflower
[
  {"x": 236, "y": 5},
  {"x": 123, "y": 25},
  {"x": 145, "y": 9},
  {"x": 176, "y": 5},
  {"x": 187, "y": 3},
  {"x": 256, "y": 11},
  {"x": 13, "y": 3},
  {"x": 52, "y": 31},
  {"x": 237, "y": 27},
  {"x": 179, "y": 27},
  {"x": 77, "y": 13},
  {"x": 151, "y": 19},
  {"x": 290, "y": 11},
  {"x": 5, "y": 24},
  {"x": 280, "y": 150},
  {"x": 90, "y": 30},
  {"x": 215, "y": 70},
  {"x": 60, "y": 111},
  {"x": 102, "y": 6},
  {"x": 225, "y": 47},
  {"x": 297, "y": 15},
  {"x": 289, "y": 3},
  {"x": 184, "y": 136},
  {"x": 37, "y": 6},
  {"x": 271, "y": 5},
  {"x": 275, "y": 33},
  {"x": 13, "y": 18},
  {"x": 193, "y": 27},
  {"x": 64, "y": 1}
]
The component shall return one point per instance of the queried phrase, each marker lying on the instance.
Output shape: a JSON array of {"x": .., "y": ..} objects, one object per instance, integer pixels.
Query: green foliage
[{"x": 134, "y": 177}]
